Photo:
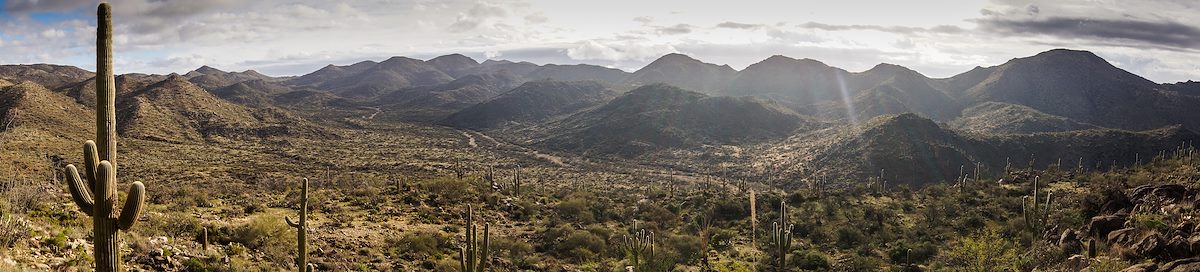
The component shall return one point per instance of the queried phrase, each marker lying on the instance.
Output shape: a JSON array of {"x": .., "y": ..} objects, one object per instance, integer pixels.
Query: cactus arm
[
  {"x": 79, "y": 192},
  {"x": 105, "y": 197},
  {"x": 134, "y": 203},
  {"x": 90, "y": 161},
  {"x": 290, "y": 222},
  {"x": 462, "y": 259}
]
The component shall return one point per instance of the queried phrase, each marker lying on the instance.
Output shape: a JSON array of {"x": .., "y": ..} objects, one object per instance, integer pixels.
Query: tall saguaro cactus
[
  {"x": 781, "y": 238},
  {"x": 1036, "y": 214},
  {"x": 301, "y": 229},
  {"x": 97, "y": 198},
  {"x": 474, "y": 256}
]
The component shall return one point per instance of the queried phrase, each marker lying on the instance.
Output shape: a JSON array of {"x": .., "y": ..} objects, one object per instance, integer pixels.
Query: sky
[{"x": 1157, "y": 39}]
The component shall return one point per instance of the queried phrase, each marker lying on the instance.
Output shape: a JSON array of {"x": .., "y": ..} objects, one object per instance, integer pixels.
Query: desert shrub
[
  {"x": 575, "y": 210},
  {"x": 173, "y": 224},
  {"x": 581, "y": 245},
  {"x": 268, "y": 235},
  {"x": 689, "y": 248},
  {"x": 446, "y": 190},
  {"x": 919, "y": 252},
  {"x": 809, "y": 260},
  {"x": 418, "y": 245},
  {"x": 657, "y": 218},
  {"x": 849, "y": 237},
  {"x": 864, "y": 263},
  {"x": 12, "y": 230},
  {"x": 731, "y": 209},
  {"x": 985, "y": 251},
  {"x": 512, "y": 249}
]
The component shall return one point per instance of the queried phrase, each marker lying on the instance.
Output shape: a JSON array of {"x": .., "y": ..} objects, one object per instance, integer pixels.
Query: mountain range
[{"x": 785, "y": 112}]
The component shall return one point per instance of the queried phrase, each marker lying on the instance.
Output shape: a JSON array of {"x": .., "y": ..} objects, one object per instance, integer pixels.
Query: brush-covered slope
[
  {"x": 1082, "y": 86},
  {"x": 900, "y": 90},
  {"x": 660, "y": 116},
  {"x": 517, "y": 69},
  {"x": 175, "y": 110},
  {"x": 369, "y": 79},
  {"x": 578, "y": 72},
  {"x": 212, "y": 78},
  {"x": 256, "y": 93},
  {"x": 455, "y": 65},
  {"x": 908, "y": 147},
  {"x": 532, "y": 102},
  {"x": 685, "y": 72},
  {"x": 84, "y": 92},
  {"x": 1004, "y": 118},
  {"x": 432, "y": 103},
  {"x": 798, "y": 82},
  {"x": 31, "y": 105},
  {"x": 330, "y": 72},
  {"x": 47, "y": 75},
  {"x": 915, "y": 150}
]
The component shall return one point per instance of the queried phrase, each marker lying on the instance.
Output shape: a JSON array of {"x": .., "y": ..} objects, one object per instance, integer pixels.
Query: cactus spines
[
  {"x": 1035, "y": 213},
  {"x": 474, "y": 256},
  {"x": 301, "y": 228},
  {"x": 95, "y": 193},
  {"x": 639, "y": 249},
  {"x": 781, "y": 238}
]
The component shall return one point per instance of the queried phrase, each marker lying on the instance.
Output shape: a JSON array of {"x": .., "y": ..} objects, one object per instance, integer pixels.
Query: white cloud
[{"x": 53, "y": 33}]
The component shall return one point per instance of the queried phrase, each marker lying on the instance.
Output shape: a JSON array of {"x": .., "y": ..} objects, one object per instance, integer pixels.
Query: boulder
[
  {"x": 1069, "y": 241},
  {"x": 1150, "y": 246},
  {"x": 1189, "y": 264},
  {"x": 1102, "y": 225},
  {"x": 1177, "y": 247},
  {"x": 1168, "y": 192},
  {"x": 1145, "y": 267}
]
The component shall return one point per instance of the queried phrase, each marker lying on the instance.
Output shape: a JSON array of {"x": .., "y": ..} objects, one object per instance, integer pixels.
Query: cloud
[
  {"x": 28, "y": 6},
  {"x": 536, "y": 18},
  {"x": 643, "y": 19},
  {"x": 53, "y": 33},
  {"x": 889, "y": 29},
  {"x": 1170, "y": 34},
  {"x": 476, "y": 16},
  {"x": 617, "y": 52},
  {"x": 736, "y": 25},
  {"x": 675, "y": 29}
]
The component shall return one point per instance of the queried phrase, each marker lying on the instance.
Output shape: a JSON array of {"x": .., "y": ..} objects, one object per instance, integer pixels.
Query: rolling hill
[
  {"x": 659, "y": 116},
  {"x": 532, "y": 103}
]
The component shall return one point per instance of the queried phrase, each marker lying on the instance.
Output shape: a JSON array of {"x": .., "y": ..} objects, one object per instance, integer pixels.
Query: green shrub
[
  {"x": 268, "y": 235},
  {"x": 581, "y": 245},
  {"x": 418, "y": 245},
  {"x": 809, "y": 260},
  {"x": 985, "y": 251}
]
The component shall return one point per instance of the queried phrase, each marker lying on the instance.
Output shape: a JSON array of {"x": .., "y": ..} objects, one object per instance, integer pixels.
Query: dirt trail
[
  {"x": 470, "y": 138},
  {"x": 377, "y": 112}
]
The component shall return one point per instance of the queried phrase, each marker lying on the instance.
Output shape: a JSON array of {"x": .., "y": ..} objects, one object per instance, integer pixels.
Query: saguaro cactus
[
  {"x": 1036, "y": 215},
  {"x": 638, "y": 249},
  {"x": 781, "y": 238},
  {"x": 301, "y": 229},
  {"x": 97, "y": 198},
  {"x": 474, "y": 256}
]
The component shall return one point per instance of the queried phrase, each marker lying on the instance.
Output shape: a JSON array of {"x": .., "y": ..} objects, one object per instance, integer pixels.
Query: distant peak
[
  {"x": 1068, "y": 53},
  {"x": 208, "y": 70},
  {"x": 454, "y": 57},
  {"x": 672, "y": 58}
]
